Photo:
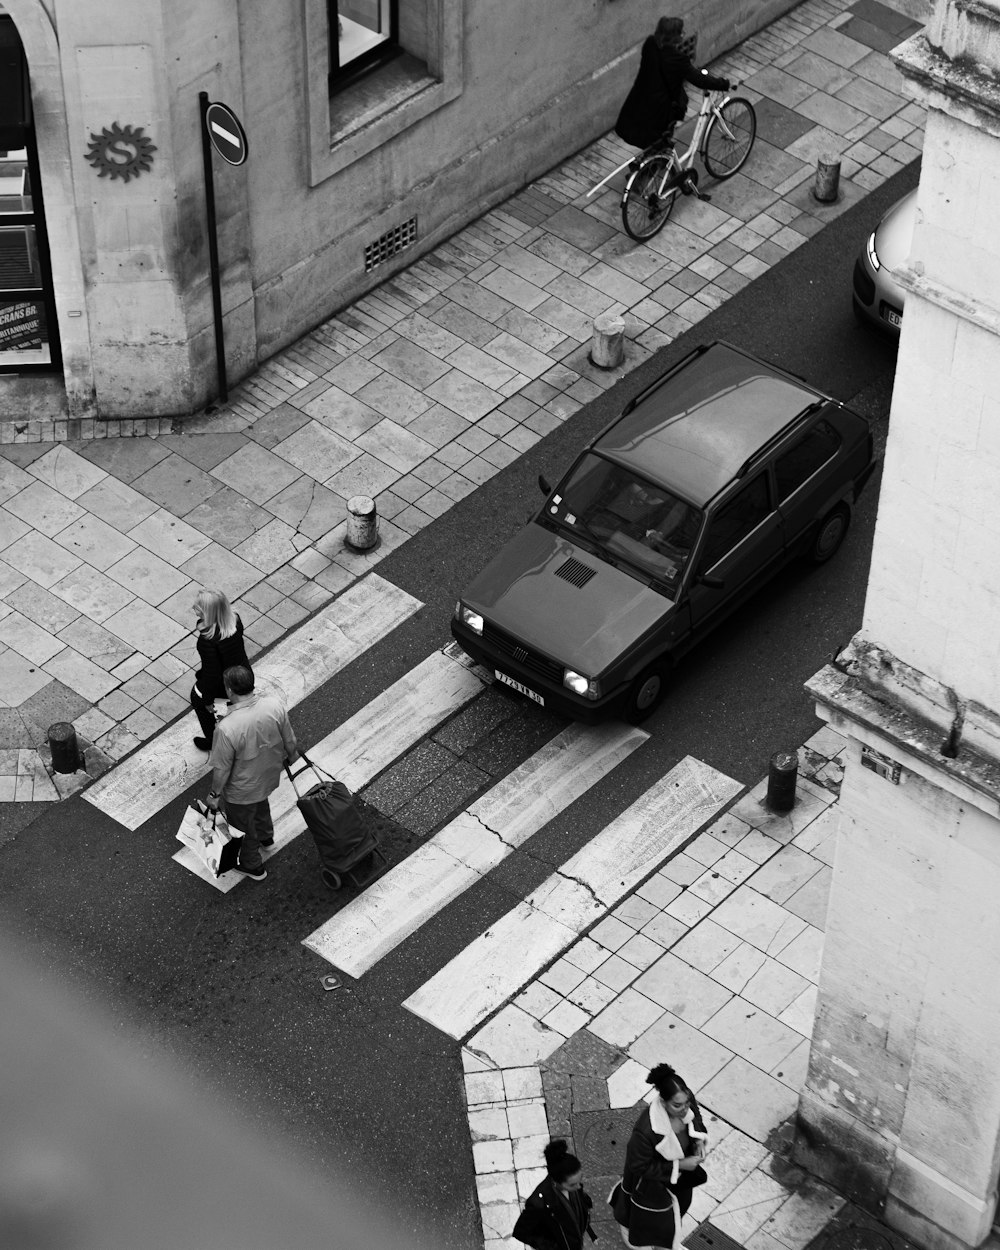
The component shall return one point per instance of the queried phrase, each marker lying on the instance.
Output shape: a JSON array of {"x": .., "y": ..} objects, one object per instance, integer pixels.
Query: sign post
[{"x": 220, "y": 129}]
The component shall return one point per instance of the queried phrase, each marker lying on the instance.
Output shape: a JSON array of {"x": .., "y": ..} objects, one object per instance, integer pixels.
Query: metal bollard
[
  {"x": 607, "y": 348},
  {"x": 362, "y": 523},
  {"x": 64, "y": 748},
  {"x": 782, "y": 773},
  {"x": 827, "y": 185}
]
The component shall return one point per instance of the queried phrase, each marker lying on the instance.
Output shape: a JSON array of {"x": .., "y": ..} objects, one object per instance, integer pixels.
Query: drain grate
[
  {"x": 707, "y": 1237},
  {"x": 394, "y": 241}
]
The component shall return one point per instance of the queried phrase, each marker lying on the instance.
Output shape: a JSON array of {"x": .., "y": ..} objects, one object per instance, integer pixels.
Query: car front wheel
[
  {"x": 830, "y": 534},
  {"x": 645, "y": 693}
]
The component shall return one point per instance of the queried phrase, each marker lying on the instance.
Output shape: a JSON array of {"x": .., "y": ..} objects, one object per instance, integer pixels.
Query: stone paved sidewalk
[
  {"x": 415, "y": 395},
  {"x": 710, "y": 966}
]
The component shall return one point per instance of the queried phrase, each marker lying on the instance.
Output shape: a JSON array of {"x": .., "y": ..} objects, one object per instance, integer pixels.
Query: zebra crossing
[
  {"x": 471, "y": 845},
  {"x": 503, "y": 959},
  {"x": 497, "y": 964}
]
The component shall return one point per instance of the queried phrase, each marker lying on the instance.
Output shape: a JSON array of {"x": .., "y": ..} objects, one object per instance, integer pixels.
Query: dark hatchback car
[{"x": 709, "y": 481}]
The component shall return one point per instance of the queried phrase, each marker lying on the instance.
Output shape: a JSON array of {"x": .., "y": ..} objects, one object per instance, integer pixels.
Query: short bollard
[
  {"x": 63, "y": 745},
  {"x": 781, "y": 776},
  {"x": 362, "y": 523},
  {"x": 607, "y": 349},
  {"x": 827, "y": 184}
]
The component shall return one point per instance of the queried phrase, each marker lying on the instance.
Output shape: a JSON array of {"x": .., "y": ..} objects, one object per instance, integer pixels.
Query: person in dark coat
[
  {"x": 556, "y": 1215},
  {"x": 658, "y": 100},
  {"x": 662, "y": 1165},
  {"x": 220, "y": 646}
]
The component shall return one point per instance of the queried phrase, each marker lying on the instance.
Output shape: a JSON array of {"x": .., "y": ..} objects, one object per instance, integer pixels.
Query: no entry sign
[{"x": 226, "y": 133}]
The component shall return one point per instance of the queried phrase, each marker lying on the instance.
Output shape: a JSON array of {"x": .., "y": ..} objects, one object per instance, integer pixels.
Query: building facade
[
  {"x": 902, "y": 1104},
  {"x": 376, "y": 128}
]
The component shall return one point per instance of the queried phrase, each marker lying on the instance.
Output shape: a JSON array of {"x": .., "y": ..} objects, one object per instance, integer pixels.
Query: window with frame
[
  {"x": 794, "y": 467},
  {"x": 364, "y": 34},
  {"x": 398, "y": 62},
  {"x": 736, "y": 519}
]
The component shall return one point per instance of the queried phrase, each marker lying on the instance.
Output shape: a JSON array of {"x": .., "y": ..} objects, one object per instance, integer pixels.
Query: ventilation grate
[
  {"x": 575, "y": 572},
  {"x": 394, "y": 241},
  {"x": 707, "y": 1237}
]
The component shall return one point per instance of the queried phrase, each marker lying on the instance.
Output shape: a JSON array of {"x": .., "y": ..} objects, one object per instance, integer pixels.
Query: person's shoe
[
  {"x": 269, "y": 842},
  {"x": 255, "y": 874},
  {"x": 203, "y": 744}
]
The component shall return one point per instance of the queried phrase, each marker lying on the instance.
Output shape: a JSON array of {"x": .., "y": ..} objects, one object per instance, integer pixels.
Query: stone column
[{"x": 901, "y": 1108}]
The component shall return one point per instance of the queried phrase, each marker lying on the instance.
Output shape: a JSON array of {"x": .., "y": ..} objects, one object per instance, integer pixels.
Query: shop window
[
  {"x": 28, "y": 337},
  {"x": 375, "y": 68}
]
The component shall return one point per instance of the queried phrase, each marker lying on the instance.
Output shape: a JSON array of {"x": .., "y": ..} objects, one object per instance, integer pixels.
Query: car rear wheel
[
  {"x": 645, "y": 693},
  {"x": 831, "y": 533}
]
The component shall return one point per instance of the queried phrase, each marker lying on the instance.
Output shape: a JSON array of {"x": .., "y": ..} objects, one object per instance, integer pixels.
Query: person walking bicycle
[
  {"x": 657, "y": 100},
  {"x": 724, "y": 131}
]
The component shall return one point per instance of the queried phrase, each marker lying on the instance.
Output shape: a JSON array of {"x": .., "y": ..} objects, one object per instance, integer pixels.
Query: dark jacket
[
  {"x": 643, "y": 1202},
  {"x": 658, "y": 99},
  {"x": 549, "y": 1222},
  {"x": 216, "y": 655}
]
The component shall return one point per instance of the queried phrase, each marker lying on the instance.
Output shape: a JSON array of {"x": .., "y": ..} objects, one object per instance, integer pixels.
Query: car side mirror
[
  {"x": 713, "y": 583},
  {"x": 543, "y": 485}
]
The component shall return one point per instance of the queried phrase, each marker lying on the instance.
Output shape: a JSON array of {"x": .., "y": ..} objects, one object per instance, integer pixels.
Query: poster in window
[{"x": 22, "y": 325}]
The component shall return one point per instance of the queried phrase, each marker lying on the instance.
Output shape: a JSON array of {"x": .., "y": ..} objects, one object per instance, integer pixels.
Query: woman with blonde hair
[{"x": 220, "y": 646}]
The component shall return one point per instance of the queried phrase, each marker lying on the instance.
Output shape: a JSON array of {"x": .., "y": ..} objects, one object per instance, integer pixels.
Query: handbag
[{"x": 207, "y": 833}]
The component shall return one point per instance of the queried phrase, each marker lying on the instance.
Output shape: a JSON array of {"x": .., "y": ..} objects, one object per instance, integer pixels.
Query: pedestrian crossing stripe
[
  {"x": 145, "y": 782},
  {"x": 472, "y": 844},
  {"x": 508, "y": 955},
  {"x": 366, "y": 744}
]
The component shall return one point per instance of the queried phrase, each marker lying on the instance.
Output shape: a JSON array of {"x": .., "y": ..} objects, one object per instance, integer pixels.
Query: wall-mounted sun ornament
[{"x": 120, "y": 152}]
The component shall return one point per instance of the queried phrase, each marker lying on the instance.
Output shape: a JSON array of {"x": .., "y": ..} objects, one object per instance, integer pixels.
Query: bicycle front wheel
[
  {"x": 729, "y": 138},
  {"x": 644, "y": 210}
]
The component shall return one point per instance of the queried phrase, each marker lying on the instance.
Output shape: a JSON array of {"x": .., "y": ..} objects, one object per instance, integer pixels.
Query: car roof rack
[{"x": 765, "y": 449}]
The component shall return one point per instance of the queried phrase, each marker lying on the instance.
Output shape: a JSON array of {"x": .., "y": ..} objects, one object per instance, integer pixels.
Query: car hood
[
  {"x": 894, "y": 233},
  {"x": 585, "y": 627}
]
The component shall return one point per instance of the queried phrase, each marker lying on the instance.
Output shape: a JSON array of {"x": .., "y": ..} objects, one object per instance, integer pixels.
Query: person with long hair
[
  {"x": 220, "y": 646},
  {"x": 662, "y": 1165},
  {"x": 556, "y": 1215},
  {"x": 657, "y": 100}
]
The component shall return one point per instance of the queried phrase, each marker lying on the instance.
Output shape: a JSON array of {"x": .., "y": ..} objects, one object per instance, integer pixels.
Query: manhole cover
[
  {"x": 707, "y": 1237},
  {"x": 601, "y": 1138}
]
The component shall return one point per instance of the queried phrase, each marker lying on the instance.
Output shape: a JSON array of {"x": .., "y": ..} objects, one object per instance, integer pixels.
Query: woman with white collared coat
[{"x": 662, "y": 1166}]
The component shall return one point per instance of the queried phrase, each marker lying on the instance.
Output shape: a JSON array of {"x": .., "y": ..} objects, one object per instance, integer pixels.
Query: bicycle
[{"x": 724, "y": 131}]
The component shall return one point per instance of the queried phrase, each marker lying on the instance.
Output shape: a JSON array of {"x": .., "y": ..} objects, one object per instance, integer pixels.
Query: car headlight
[
  {"x": 873, "y": 259},
  {"x": 588, "y": 687},
  {"x": 470, "y": 618}
]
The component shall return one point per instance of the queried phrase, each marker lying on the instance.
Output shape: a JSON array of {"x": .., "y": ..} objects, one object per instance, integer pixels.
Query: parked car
[
  {"x": 878, "y": 297},
  {"x": 706, "y": 484}
]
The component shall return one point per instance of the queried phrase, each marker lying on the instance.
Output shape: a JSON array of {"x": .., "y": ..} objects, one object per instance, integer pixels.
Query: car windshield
[{"x": 630, "y": 518}]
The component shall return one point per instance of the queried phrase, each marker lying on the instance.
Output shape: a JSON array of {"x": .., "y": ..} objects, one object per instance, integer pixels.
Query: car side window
[
  {"x": 803, "y": 458},
  {"x": 735, "y": 519}
]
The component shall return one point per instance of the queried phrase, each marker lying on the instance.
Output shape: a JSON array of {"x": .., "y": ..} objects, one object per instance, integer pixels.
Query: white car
[{"x": 878, "y": 297}]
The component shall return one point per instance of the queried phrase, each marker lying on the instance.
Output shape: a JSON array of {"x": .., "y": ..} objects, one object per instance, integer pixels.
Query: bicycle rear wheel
[
  {"x": 643, "y": 210},
  {"x": 729, "y": 138}
]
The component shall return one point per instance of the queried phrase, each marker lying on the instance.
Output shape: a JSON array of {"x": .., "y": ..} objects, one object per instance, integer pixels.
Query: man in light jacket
[{"x": 250, "y": 748}]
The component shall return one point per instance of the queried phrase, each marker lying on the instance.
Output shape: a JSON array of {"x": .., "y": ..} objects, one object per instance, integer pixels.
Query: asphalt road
[{"x": 369, "y": 1092}]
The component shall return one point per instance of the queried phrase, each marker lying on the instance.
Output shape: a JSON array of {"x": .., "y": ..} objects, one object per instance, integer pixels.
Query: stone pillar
[{"x": 901, "y": 1107}]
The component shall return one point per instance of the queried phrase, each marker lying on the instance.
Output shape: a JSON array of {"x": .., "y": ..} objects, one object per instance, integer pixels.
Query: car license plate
[
  {"x": 516, "y": 685},
  {"x": 893, "y": 318}
]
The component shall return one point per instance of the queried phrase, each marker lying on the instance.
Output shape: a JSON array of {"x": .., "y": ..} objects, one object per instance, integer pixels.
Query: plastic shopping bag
[{"x": 207, "y": 834}]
